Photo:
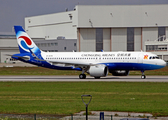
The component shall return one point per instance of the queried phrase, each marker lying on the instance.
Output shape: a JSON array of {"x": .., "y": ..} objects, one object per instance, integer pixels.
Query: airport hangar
[{"x": 102, "y": 27}]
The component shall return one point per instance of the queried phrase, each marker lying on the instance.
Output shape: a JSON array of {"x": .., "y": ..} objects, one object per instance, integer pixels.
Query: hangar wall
[
  {"x": 116, "y": 39},
  {"x": 7, "y": 46},
  {"x": 51, "y": 26},
  {"x": 118, "y": 21},
  {"x": 119, "y": 39},
  {"x": 100, "y": 27},
  {"x": 107, "y": 39},
  {"x": 52, "y": 32},
  {"x": 87, "y": 39},
  {"x": 137, "y": 40},
  {"x": 122, "y": 15}
]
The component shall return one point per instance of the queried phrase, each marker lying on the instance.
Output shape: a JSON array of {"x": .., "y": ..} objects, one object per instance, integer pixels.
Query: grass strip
[{"x": 65, "y": 97}]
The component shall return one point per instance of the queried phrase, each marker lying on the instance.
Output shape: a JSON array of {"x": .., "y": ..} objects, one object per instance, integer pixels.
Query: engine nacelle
[
  {"x": 120, "y": 72},
  {"x": 98, "y": 71}
]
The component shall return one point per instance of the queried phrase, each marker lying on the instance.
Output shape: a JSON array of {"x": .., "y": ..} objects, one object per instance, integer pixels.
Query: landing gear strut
[{"x": 143, "y": 75}]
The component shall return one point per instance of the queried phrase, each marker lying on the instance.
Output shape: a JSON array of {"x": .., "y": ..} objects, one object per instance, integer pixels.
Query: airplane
[{"x": 97, "y": 64}]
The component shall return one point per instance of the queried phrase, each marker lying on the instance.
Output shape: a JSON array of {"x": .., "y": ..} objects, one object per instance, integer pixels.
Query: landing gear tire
[
  {"x": 82, "y": 76},
  {"x": 143, "y": 77},
  {"x": 97, "y": 77}
]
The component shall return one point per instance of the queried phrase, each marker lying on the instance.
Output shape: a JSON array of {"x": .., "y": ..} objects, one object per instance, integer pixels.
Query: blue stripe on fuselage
[
  {"x": 132, "y": 66},
  {"x": 113, "y": 66}
]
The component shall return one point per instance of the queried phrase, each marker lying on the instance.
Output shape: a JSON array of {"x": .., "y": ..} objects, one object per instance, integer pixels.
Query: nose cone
[{"x": 162, "y": 63}]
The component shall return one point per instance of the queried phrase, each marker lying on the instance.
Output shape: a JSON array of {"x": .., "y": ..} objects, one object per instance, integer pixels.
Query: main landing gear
[
  {"x": 82, "y": 76},
  {"x": 143, "y": 75}
]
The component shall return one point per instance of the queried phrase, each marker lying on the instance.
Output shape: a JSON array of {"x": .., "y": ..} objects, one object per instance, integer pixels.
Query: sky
[{"x": 13, "y": 12}]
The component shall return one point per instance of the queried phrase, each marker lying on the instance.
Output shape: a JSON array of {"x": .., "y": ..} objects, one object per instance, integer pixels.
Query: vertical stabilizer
[{"x": 25, "y": 43}]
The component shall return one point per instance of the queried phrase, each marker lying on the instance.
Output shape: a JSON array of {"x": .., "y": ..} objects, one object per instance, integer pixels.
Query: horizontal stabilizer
[{"x": 22, "y": 57}]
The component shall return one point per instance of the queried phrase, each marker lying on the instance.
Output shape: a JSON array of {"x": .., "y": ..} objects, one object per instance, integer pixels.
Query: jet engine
[
  {"x": 98, "y": 71},
  {"x": 120, "y": 72}
]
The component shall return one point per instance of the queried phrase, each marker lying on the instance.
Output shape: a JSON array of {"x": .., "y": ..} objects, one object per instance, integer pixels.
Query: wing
[{"x": 71, "y": 64}]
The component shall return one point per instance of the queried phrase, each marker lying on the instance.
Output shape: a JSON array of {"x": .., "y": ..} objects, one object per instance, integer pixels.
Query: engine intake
[{"x": 98, "y": 71}]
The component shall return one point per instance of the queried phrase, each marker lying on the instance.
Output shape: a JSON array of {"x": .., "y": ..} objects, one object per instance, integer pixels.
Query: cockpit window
[{"x": 154, "y": 57}]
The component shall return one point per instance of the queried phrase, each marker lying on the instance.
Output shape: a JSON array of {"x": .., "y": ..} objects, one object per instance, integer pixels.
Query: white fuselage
[{"x": 89, "y": 58}]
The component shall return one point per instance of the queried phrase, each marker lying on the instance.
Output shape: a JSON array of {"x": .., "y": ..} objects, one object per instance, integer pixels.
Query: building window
[
  {"x": 64, "y": 48},
  {"x": 99, "y": 39},
  {"x": 130, "y": 39},
  {"x": 161, "y": 33},
  {"x": 74, "y": 44},
  {"x": 156, "y": 48},
  {"x": 42, "y": 44}
]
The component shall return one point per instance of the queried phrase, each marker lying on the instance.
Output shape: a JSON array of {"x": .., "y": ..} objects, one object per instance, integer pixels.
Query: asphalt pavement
[{"x": 88, "y": 78}]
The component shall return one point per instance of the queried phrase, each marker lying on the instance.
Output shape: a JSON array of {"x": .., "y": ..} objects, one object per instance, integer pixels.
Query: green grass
[
  {"x": 35, "y": 71},
  {"x": 46, "y": 71},
  {"x": 65, "y": 97}
]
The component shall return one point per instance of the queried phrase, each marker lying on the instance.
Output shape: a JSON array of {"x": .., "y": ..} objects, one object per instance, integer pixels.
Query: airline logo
[
  {"x": 25, "y": 42},
  {"x": 145, "y": 56}
]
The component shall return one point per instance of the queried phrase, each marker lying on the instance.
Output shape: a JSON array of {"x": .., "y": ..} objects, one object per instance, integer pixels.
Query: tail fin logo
[
  {"x": 28, "y": 41},
  {"x": 25, "y": 42}
]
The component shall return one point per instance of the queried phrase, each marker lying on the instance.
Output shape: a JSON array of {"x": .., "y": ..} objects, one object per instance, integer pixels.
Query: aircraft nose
[{"x": 163, "y": 63}]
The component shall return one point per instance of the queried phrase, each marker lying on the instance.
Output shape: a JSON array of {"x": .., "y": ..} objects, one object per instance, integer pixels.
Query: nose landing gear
[{"x": 143, "y": 75}]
